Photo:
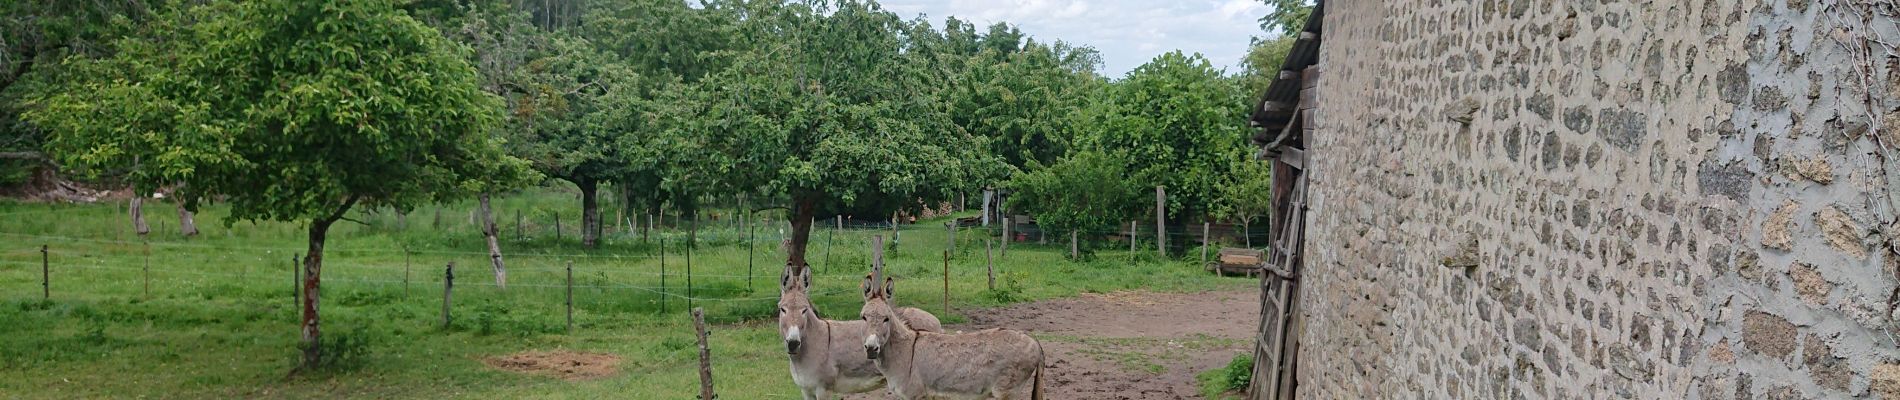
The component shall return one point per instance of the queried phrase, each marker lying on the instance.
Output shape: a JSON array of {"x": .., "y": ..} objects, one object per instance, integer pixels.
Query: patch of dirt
[
  {"x": 1128, "y": 345},
  {"x": 568, "y": 365}
]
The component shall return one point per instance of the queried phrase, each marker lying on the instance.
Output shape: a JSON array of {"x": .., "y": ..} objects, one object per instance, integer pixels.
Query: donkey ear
[
  {"x": 866, "y": 286},
  {"x": 890, "y": 288},
  {"x": 785, "y": 277},
  {"x": 805, "y": 273}
]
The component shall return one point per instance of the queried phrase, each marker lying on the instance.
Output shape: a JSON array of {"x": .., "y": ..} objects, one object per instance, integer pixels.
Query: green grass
[
  {"x": 1226, "y": 382},
  {"x": 219, "y": 320}
]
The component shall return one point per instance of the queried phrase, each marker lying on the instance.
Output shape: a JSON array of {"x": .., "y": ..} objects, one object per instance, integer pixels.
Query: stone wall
[{"x": 1666, "y": 199}]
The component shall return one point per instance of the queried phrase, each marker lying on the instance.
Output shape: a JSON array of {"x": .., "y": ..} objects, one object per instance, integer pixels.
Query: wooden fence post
[
  {"x": 689, "y": 266},
  {"x": 557, "y": 227},
  {"x": 518, "y": 224},
  {"x": 405, "y": 271},
  {"x": 1006, "y": 238},
  {"x": 1161, "y": 221},
  {"x": 991, "y": 262},
  {"x": 1074, "y": 251},
  {"x": 448, "y": 286},
  {"x": 705, "y": 356},
  {"x": 662, "y": 274},
  {"x": 946, "y": 282},
  {"x": 46, "y": 275},
  {"x": 1204, "y": 226},
  {"x": 296, "y": 287},
  {"x": 147, "y": 267},
  {"x": 570, "y": 297},
  {"x": 752, "y": 234}
]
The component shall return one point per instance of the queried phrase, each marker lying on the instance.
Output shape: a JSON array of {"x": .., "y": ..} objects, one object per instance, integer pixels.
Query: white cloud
[{"x": 1128, "y": 32}]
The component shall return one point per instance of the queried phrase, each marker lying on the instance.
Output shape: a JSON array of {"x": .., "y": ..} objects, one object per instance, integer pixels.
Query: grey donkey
[
  {"x": 827, "y": 357},
  {"x": 917, "y": 364}
]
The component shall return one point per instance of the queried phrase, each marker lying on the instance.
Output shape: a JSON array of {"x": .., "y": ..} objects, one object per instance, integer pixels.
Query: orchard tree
[
  {"x": 289, "y": 111},
  {"x": 1180, "y": 123},
  {"x": 1087, "y": 191},
  {"x": 827, "y": 111},
  {"x": 562, "y": 89}
]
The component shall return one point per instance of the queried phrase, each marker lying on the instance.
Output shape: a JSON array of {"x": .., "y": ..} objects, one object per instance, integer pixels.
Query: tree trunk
[
  {"x": 494, "y": 246},
  {"x": 186, "y": 225},
  {"x": 312, "y": 277},
  {"x": 138, "y": 216},
  {"x": 802, "y": 211},
  {"x": 590, "y": 212},
  {"x": 1246, "y": 233}
]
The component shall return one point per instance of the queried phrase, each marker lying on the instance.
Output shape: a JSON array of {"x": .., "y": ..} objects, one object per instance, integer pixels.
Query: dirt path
[{"x": 1129, "y": 345}]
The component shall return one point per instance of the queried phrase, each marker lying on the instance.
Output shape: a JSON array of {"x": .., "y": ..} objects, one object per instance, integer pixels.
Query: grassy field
[{"x": 219, "y": 319}]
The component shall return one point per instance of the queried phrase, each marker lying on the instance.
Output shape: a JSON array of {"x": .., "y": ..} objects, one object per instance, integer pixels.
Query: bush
[
  {"x": 344, "y": 351},
  {"x": 1233, "y": 378}
]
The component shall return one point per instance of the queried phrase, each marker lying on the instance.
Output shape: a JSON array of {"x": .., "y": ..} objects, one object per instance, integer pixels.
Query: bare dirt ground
[
  {"x": 572, "y": 366},
  {"x": 1128, "y": 345}
]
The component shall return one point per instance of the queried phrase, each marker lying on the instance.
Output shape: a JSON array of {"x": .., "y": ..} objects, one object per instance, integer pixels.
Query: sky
[{"x": 1127, "y": 32}]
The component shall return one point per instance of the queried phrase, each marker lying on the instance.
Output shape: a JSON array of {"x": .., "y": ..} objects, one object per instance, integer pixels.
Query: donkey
[
  {"x": 987, "y": 364},
  {"x": 827, "y": 357}
]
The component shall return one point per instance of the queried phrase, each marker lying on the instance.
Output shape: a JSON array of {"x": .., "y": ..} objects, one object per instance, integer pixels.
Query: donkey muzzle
[
  {"x": 873, "y": 352},
  {"x": 791, "y": 346}
]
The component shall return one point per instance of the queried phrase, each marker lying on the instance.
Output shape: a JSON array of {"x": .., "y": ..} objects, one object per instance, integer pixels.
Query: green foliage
[
  {"x": 1179, "y": 123},
  {"x": 1087, "y": 191},
  {"x": 1287, "y": 17},
  {"x": 1263, "y": 62},
  {"x": 1250, "y": 196},
  {"x": 1218, "y": 383},
  {"x": 345, "y": 351},
  {"x": 288, "y": 110}
]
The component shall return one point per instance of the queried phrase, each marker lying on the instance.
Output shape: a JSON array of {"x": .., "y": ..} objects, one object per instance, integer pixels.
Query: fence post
[
  {"x": 991, "y": 262},
  {"x": 705, "y": 356},
  {"x": 950, "y": 228},
  {"x": 46, "y": 274},
  {"x": 1006, "y": 237},
  {"x": 147, "y": 266},
  {"x": 557, "y": 226},
  {"x": 437, "y": 224},
  {"x": 1204, "y": 226},
  {"x": 570, "y": 297},
  {"x": 448, "y": 286},
  {"x": 752, "y": 234},
  {"x": 405, "y": 271},
  {"x": 1074, "y": 252},
  {"x": 690, "y": 264},
  {"x": 518, "y": 224},
  {"x": 1161, "y": 221},
  {"x": 662, "y": 274},
  {"x": 946, "y": 282},
  {"x": 296, "y": 287},
  {"x": 829, "y": 239}
]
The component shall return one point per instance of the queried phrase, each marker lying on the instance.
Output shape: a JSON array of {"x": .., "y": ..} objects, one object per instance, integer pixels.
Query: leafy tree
[
  {"x": 1286, "y": 16},
  {"x": 1087, "y": 191},
  {"x": 1180, "y": 124},
  {"x": 290, "y": 111},
  {"x": 1250, "y": 196},
  {"x": 826, "y": 109},
  {"x": 1263, "y": 62},
  {"x": 34, "y": 36},
  {"x": 571, "y": 82}
]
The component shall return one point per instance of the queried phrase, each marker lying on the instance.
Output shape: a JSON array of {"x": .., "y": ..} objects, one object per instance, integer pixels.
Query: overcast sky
[{"x": 1128, "y": 32}]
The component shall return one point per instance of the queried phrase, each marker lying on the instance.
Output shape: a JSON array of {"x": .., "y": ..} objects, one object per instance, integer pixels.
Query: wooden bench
[{"x": 1237, "y": 261}]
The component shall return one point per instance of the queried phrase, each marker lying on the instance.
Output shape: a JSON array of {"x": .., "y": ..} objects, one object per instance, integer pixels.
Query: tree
[
  {"x": 1087, "y": 191},
  {"x": 563, "y": 88},
  {"x": 1262, "y": 64},
  {"x": 827, "y": 110},
  {"x": 1286, "y": 16},
  {"x": 1250, "y": 195},
  {"x": 35, "y": 35},
  {"x": 1180, "y": 123},
  {"x": 289, "y": 111}
]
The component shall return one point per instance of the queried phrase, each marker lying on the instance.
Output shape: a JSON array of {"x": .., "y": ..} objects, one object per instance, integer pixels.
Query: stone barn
[{"x": 1585, "y": 199}]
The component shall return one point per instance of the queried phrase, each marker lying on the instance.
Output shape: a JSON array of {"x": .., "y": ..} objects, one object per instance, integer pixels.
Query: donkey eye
[{"x": 781, "y": 310}]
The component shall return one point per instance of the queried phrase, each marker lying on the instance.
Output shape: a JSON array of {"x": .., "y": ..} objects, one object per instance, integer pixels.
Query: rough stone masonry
[{"x": 1671, "y": 199}]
